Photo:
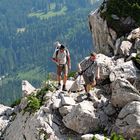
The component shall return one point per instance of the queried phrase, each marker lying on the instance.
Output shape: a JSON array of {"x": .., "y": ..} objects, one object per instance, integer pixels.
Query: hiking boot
[
  {"x": 59, "y": 86},
  {"x": 64, "y": 88},
  {"x": 88, "y": 97}
]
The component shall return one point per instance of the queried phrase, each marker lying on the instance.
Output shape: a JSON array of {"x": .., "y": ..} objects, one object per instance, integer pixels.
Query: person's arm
[
  {"x": 130, "y": 57},
  {"x": 69, "y": 62},
  {"x": 54, "y": 59},
  {"x": 68, "y": 59},
  {"x": 98, "y": 72},
  {"x": 79, "y": 67}
]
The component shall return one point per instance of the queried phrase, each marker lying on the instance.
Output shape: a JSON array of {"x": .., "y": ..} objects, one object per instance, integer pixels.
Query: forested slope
[{"x": 27, "y": 32}]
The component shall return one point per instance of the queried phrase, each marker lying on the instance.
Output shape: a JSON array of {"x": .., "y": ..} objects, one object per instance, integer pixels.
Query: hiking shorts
[
  {"x": 62, "y": 69},
  {"x": 89, "y": 79}
]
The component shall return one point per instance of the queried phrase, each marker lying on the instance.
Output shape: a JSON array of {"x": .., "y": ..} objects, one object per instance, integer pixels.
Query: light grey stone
[
  {"x": 64, "y": 110},
  {"x": 123, "y": 92},
  {"x": 128, "y": 121},
  {"x": 83, "y": 118}
]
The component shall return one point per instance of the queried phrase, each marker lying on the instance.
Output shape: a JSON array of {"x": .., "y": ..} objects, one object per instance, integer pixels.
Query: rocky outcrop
[
  {"x": 107, "y": 40},
  {"x": 72, "y": 115},
  {"x": 63, "y": 115},
  {"x": 113, "y": 105},
  {"x": 27, "y": 88},
  {"x": 128, "y": 121},
  {"x": 102, "y": 35},
  {"x": 81, "y": 117},
  {"x": 5, "y": 117},
  {"x": 124, "y": 76},
  {"x": 123, "y": 92}
]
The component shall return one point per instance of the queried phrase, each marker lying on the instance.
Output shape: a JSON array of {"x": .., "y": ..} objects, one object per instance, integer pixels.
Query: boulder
[
  {"x": 128, "y": 121},
  {"x": 82, "y": 118},
  {"x": 123, "y": 92}
]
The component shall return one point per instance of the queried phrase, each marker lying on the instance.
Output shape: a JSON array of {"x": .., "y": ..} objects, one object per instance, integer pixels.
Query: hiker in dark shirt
[{"x": 91, "y": 71}]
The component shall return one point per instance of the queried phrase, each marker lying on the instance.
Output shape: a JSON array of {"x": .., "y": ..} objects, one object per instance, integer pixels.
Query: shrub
[
  {"x": 115, "y": 136},
  {"x": 40, "y": 94},
  {"x": 33, "y": 104},
  {"x": 72, "y": 74}
]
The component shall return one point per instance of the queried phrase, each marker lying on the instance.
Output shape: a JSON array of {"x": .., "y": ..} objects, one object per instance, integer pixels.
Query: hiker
[
  {"x": 90, "y": 70},
  {"x": 61, "y": 57}
]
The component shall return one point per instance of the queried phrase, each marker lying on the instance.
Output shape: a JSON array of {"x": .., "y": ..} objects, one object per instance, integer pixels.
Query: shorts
[
  {"x": 62, "y": 69},
  {"x": 89, "y": 79}
]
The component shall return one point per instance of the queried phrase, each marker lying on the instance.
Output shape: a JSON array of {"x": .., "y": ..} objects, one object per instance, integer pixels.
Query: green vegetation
[
  {"x": 33, "y": 104},
  {"x": 43, "y": 16},
  {"x": 114, "y": 136},
  {"x": 44, "y": 133},
  {"x": 36, "y": 100},
  {"x": 72, "y": 74},
  {"x": 28, "y": 30},
  {"x": 122, "y": 8},
  {"x": 32, "y": 74}
]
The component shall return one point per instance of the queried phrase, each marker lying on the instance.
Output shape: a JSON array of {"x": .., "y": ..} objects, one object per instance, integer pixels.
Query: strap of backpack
[{"x": 87, "y": 67}]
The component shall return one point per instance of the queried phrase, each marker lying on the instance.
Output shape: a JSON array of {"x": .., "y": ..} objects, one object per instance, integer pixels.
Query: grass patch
[
  {"x": 32, "y": 74},
  {"x": 50, "y": 14}
]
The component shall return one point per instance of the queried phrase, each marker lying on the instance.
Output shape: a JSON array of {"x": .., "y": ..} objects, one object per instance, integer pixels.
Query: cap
[{"x": 57, "y": 44}]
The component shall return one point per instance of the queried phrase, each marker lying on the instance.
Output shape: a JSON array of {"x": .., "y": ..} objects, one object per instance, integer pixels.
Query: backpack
[{"x": 136, "y": 60}]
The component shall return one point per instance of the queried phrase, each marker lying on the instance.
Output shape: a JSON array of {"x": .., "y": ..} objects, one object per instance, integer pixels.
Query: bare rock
[
  {"x": 123, "y": 92},
  {"x": 82, "y": 118},
  {"x": 128, "y": 121}
]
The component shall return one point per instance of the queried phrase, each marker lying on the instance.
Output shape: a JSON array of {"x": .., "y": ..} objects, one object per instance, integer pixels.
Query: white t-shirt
[{"x": 61, "y": 56}]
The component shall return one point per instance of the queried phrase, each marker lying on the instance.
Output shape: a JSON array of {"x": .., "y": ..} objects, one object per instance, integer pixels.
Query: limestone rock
[
  {"x": 128, "y": 121},
  {"x": 83, "y": 118},
  {"x": 5, "y": 117},
  {"x": 123, "y": 92}
]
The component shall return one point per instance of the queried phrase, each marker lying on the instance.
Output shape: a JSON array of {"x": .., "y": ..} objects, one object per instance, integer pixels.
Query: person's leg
[
  {"x": 87, "y": 82},
  {"x": 65, "y": 70},
  {"x": 59, "y": 69},
  {"x": 93, "y": 84},
  {"x": 90, "y": 82},
  {"x": 88, "y": 87}
]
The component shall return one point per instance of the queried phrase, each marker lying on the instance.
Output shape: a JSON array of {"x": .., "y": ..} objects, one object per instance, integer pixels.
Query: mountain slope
[{"x": 27, "y": 32}]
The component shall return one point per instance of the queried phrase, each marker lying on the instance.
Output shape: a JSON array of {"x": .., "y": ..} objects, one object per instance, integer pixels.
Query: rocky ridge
[{"x": 114, "y": 105}]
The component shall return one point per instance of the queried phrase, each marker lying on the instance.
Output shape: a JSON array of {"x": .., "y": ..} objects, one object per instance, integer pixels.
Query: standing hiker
[
  {"x": 90, "y": 70},
  {"x": 61, "y": 57}
]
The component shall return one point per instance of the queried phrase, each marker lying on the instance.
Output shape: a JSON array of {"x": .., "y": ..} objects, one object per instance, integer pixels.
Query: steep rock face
[
  {"x": 103, "y": 36},
  {"x": 110, "y": 36}
]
